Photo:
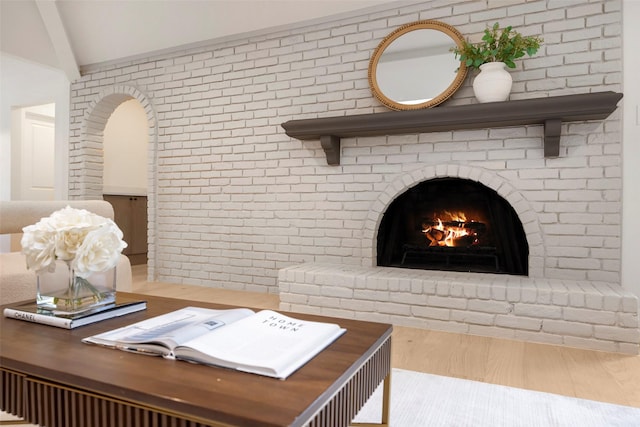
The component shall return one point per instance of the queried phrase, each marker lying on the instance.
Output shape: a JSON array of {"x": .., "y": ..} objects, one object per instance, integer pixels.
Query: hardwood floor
[{"x": 606, "y": 377}]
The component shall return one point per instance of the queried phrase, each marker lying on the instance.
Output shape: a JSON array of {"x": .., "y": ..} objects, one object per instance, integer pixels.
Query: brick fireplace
[
  {"x": 234, "y": 202},
  {"x": 541, "y": 307},
  {"x": 507, "y": 233}
]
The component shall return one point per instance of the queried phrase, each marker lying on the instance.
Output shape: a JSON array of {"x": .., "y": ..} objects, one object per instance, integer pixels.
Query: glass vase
[{"x": 64, "y": 292}]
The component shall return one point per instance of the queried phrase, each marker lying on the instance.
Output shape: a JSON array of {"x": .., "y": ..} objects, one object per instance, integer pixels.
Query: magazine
[
  {"x": 266, "y": 343},
  {"x": 32, "y": 313}
]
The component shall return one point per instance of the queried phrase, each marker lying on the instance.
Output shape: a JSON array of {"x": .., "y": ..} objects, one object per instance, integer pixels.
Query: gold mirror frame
[{"x": 460, "y": 75}]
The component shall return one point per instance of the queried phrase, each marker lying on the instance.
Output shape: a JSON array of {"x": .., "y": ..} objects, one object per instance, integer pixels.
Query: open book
[{"x": 266, "y": 343}]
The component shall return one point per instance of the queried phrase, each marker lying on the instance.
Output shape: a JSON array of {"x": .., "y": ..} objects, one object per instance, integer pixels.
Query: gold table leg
[{"x": 386, "y": 402}]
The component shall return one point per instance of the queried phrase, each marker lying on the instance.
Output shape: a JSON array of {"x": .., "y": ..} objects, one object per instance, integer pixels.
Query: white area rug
[{"x": 419, "y": 399}]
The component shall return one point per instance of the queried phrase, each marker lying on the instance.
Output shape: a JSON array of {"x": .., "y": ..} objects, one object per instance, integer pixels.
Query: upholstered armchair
[{"x": 17, "y": 283}]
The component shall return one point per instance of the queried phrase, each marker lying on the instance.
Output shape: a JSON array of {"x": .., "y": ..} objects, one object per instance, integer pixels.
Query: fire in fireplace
[{"x": 453, "y": 224}]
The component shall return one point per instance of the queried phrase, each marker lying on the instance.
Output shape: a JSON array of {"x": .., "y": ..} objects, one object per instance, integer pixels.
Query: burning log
[
  {"x": 435, "y": 236},
  {"x": 453, "y": 233}
]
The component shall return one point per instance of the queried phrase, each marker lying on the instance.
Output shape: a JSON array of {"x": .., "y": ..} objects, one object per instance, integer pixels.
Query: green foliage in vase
[{"x": 497, "y": 45}]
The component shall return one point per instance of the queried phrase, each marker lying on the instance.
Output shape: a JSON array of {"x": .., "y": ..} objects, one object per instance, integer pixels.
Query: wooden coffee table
[{"x": 49, "y": 377}]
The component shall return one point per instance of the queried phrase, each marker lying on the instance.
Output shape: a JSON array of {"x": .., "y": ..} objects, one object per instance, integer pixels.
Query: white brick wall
[{"x": 233, "y": 199}]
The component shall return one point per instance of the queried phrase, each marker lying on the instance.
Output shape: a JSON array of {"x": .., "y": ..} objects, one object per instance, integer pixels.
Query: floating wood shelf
[{"x": 549, "y": 112}]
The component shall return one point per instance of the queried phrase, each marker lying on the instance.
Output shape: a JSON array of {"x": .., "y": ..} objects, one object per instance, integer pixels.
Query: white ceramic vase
[{"x": 493, "y": 83}]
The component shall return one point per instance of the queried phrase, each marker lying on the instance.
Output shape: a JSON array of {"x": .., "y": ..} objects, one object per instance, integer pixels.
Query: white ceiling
[{"x": 69, "y": 34}]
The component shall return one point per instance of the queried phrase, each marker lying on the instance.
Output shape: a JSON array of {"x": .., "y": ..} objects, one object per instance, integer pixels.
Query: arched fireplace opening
[{"x": 456, "y": 225}]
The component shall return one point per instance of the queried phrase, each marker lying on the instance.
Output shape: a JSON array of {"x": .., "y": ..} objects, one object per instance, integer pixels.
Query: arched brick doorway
[{"x": 86, "y": 162}]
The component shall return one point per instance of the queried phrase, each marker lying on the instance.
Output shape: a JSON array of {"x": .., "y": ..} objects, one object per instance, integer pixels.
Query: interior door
[
  {"x": 37, "y": 157},
  {"x": 32, "y": 159}
]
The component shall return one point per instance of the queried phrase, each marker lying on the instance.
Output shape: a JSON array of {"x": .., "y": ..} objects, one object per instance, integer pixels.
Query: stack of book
[{"x": 32, "y": 313}]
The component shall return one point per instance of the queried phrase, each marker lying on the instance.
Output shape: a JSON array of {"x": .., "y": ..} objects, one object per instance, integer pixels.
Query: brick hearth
[{"x": 593, "y": 315}]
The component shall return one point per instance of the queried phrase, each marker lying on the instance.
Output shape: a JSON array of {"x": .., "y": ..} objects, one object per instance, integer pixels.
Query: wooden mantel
[{"x": 549, "y": 112}]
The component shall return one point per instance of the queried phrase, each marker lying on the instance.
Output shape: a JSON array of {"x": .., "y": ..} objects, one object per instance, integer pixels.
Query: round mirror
[{"x": 413, "y": 67}]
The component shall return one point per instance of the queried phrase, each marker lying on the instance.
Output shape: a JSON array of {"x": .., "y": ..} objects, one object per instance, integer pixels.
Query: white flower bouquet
[{"x": 86, "y": 242}]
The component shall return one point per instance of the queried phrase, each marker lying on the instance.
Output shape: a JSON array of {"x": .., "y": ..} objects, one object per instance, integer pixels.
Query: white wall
[
  {"x": 23, "y": 84},
  {"x": 631, "y": 149},
  {"x": 126, "y": 138},
  {"x": 237, "y": 199}
]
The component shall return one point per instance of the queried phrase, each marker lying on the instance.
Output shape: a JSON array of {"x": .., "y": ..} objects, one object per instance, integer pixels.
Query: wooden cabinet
[{"x": 131, "y": 216}]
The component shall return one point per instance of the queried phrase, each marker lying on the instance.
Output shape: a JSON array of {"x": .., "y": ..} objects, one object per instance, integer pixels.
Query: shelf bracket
[
  {"x": 331, "y": 146},
  {"x": 552, "y": 137}
]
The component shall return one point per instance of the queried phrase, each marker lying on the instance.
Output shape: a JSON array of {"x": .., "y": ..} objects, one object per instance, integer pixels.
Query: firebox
[{"x": 453, "y": 224}]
